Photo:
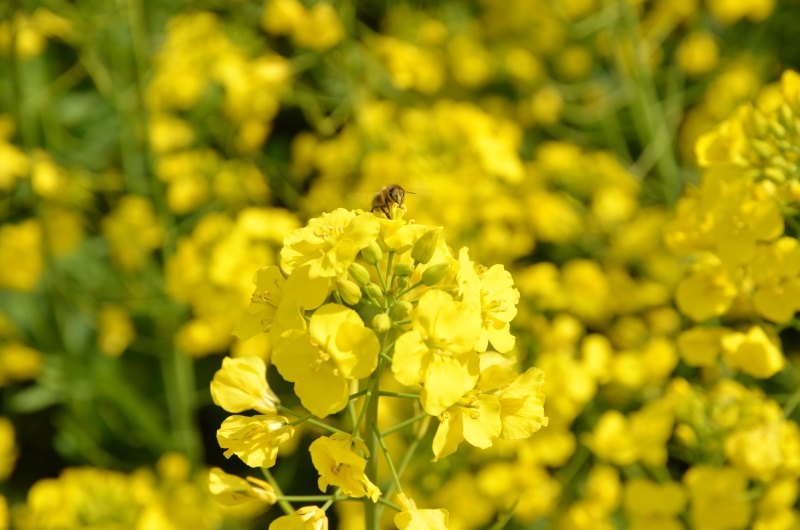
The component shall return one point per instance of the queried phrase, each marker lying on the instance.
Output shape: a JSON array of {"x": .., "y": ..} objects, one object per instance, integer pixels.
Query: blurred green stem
[
  {"x": 308, "y": 419},
  {"x": 392, "y": 470},
  {"x": 287, "y": 508},
  {"x": 404, "y": 424},
  {"x": 179, "y": 381},
  {"x": 648, "y": 113},
  {"x": 371, "y": 438},
  {"x": 24, "y": 113},
  {"x": 423, "y": 430}
]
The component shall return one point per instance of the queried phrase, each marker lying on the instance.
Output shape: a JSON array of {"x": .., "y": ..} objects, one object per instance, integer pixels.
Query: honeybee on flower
[{"x": 388, "y": 196}]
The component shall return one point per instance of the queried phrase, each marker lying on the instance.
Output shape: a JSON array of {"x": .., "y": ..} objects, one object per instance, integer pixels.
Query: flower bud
[
  {"x": 777, "y": 129},
  {"x": 762, "y": 148},
  {"x": 372, "y": 253},
  {"x": 381, "y": 322},
  {"x": 373, "y": 290},
  {"x": 403, "y": 269},
  {"x": 760, "y": 124},
  {"x": 450, "y": 288},
  {"x": 349, "y": 291},
  {"x": 402, "y": 282},
  {"x": 423, "y": 249},
  {"x": 435, "y": 274},
  {"x": 359, "y": 273},
  {"x": 401, "y": 310}
]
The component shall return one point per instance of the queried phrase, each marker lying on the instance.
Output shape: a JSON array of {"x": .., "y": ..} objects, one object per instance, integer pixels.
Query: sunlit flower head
[
  {"x": 241, "y": 384},
  {"x": 254, "y": 439},
  {"x": 339, "y": 463},
  {"x": 320, "y": 360},
  {"x": 330, "y": 243}
]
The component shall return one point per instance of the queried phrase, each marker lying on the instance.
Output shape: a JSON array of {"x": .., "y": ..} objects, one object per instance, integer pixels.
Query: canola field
[{"x": 360, "y": 265}]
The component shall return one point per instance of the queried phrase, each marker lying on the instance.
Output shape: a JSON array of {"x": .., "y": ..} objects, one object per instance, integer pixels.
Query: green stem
[
  {"x": 391, "y": 505},
  {"x": 300, "y": 420},
  {"x": 503, "y": 521},
  {"x": 413, "y": 448},
  {"x": 335, "y": 497},
  {"x": 351, "y": 403},
  {"x": 392, "y": 470},
  {"x": 315, "y": 423},
  {"x": 179, "y": 379},
  {"x": 285, "y": 505},
  {"x": 358, "y": 394},
  {"x": 404, "y": 424},
  {"x": 307, "y": 498},
  {"x": 399, "y": 395},
  {"x": 380, "y": 277},
  {"x": 791, "y": 404},
  {"x": 647, "y": 110},
  {"x": 389, "y": 262},
  {"x": 25, "y": 118},
  {"x": 409, "y": 289},
  {"x": 371, "y": 438}
]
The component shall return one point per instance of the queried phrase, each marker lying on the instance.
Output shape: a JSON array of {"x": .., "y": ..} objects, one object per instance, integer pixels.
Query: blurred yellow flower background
[{"x": 583, "y": 314}]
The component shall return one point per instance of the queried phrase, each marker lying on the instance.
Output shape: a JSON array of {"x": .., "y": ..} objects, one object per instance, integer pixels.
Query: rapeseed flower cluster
[
  {"x": 359, "y": 296},
  {"x": 90, "y": 497}
]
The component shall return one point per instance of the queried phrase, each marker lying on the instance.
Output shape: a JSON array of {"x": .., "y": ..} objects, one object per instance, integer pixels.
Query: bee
[{"x": 386, "y": 197}]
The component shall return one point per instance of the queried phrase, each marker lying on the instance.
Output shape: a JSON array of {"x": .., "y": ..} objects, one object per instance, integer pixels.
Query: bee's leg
[{"x": 386, "y": 212}]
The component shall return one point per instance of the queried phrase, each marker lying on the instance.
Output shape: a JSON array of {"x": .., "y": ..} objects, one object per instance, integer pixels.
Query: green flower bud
[
  {"x": 403, "y": 269},
  {"x": 373, "y": 290},
  {"x": 402, "y": 282},
  {"x": 401, "y": 310},
  {"x": 450, "y": 288},
  {"x": 372, "y": 253},
  {"x": 381, "y": 322},
  {"x": 760, "y": 124},
  {"x": 359, "y": 273},
  {"x": 349, "y": 291},
  {"x": 435, "y": 274},
  {"x": 423, "y": 249},
  {"x": 763, "y": 149},
  {"x": 777, "y": 129}
]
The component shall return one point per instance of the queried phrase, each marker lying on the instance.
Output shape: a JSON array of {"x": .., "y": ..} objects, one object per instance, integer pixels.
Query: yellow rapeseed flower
[
  {"x": 329, "y": 243},
  {"x": 8, "y": 448},
  {"x": 276, "y": 294},
  {"x": 698, "y": 53},
  {"x": 753, "y": 353},
  {"x": 439, "y": 350},
  {"x": 232, "y": 490},
  {"x": 306, "y": 518},
  {"x": 241, "y": 384},
  {"x": 115, "y": 330},
  {"x": 21, "y": 260},
  {"x": 338, "y": 462},
  {"x": 254, "y": 439},
  {"x": 492, "y": 292},
  {"x": 19, "y": 362},
  {"x": 132, "y": 231},
  {"x": 708, "y": 291},
  {"x": 412, "y": 518},
  {"x": 475, "y": 418},
  {"x": 522, "y": 405},
  {"x": 718, "y": 498},
  {"x": 320, "y": 360}
]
